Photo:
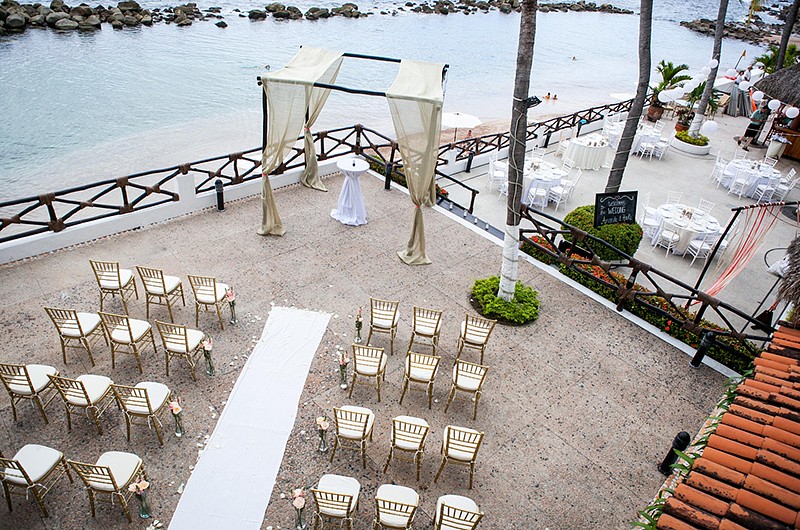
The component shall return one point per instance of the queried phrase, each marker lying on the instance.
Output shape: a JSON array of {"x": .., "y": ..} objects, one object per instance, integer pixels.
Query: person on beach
[
  {"x": 555, "y": 97},
  {"x": 547, "y": 97},
  {"x": 757, "y": 119}
]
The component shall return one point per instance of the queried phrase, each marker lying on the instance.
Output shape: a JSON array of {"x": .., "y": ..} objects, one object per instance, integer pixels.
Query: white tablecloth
[
  {"x": 756, "y": 174},
  {"x": 542, "y": 175},
  {"x": 697, "y": 226},
  {"x": 351, "y": 209},
  {"x": 588, "y": 152}
]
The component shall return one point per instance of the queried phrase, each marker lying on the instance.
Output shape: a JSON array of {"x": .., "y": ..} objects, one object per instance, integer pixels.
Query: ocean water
[{"x": 79, "y": 107}]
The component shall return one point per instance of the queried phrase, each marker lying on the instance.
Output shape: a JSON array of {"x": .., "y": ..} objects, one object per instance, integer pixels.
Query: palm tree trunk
[
  {"x": 516, "y": 150},
  {"x": 628, "y": 133},
  {"x": 791, "y": 18},
  {"x": 694, "y": 128}
]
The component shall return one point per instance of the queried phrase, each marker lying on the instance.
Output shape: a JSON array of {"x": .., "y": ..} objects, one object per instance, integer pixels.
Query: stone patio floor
[{"x": 578, "y": 409}]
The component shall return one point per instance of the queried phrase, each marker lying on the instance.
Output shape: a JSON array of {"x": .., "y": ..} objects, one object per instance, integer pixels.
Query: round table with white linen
[
  {"x": 543, "y": 175},
  {"x": 588, "y": 152},
  {"x": 690, "y": 222},
  {"x": 757, "y": 174},
  {"x": 351, "y": 209}
]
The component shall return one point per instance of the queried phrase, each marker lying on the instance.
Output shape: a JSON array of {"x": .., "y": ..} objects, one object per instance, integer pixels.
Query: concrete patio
[{"x": 578, "y": 409}]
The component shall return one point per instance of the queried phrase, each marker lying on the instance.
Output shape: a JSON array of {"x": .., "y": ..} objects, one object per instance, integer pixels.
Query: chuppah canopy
[{"x": 294, "y": 97}]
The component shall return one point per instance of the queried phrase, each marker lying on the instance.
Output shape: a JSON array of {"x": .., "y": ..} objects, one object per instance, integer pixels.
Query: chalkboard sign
[{"x": 615, "y": 208}]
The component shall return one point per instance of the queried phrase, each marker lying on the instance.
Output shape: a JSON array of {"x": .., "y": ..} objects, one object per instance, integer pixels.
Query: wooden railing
[
  {"x": 54, "y": 212},
  {"x": 636, "y": 285}
]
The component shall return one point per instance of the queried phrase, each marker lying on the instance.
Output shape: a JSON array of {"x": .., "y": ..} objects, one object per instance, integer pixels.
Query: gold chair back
[
  {"x": 71, "y": 390},
  {"x": 404, "y": 432},
  {"x": 328, "y": 502},
  {"x": 469, "y": 376},
  {"x": 153, "y": 280},
  {"x": 350, "y": 420},
  {"x": 394, "y": 509},
  {"x": 477, "y": 329},
  {"x": 428, "y": 364},
  {"x": 457, "y": 519},
  {"x": 133, "y": 400},
  {"x": 174, "y": 336},
  {"x": 107, "y": 274},
  {"x": 16, "y": 379},
  {"x": 426, "y": 321},
  {"x": 66, "y": 322},
  {"x": 368, "y": 359},
  {"x": 462, "y": 440},
  {"x": 382, "y": 312}
]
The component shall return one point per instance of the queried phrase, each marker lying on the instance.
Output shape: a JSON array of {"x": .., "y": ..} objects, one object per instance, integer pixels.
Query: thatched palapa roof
[{"x": 783, "y": 85}]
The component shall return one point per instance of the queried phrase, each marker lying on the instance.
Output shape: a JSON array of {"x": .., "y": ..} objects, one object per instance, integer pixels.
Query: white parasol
[{"x": 458, "y": 120}]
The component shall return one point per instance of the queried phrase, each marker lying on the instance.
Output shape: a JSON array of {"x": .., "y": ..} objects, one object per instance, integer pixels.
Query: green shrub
[
  {"x": 531, "y": 250},
  {"x": 683, "y": 136},
  {"x": 523, "y": 309},
  {"x": 625, "y": 237}
]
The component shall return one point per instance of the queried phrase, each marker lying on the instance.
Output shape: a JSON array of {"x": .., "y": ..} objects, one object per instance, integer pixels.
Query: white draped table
[
  {"x": 351, "y": 209},
  {"x": 757, "y": 174},
  {"x": 588, "y": 152},
  {"x": 539, "y": 174},
  {"x": 691, "y": 223}
]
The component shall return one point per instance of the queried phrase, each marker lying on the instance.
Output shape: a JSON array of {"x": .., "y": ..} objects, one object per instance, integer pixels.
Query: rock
[
  {"x": 54, "y": 17},
  {"x": 37, "y": 21},
  {"x": 294, "y": 13},
  {"x": 505, "y": 8},
  {"x": 66, "y": 24},
  {"x": 275, "y": 7},
  {"x": 130, "y": 20},
  {"x": 221, "y": 24},
  {"x": 129, "y": 5},
  {"x": 93, "y": 21},
  {"x": 57, "y": 5},
  {"x": 182, "y": 20},
  {"x": 15, "y": 22},
  {"x": 118, "y": 16},
  {"x": 256, "y": 14},
  {"x": 116, "y": 24},
  {"x": 147, "y": 20},
  {"x": 283, "y": 14},
  {"x": 82, "y": 11}
]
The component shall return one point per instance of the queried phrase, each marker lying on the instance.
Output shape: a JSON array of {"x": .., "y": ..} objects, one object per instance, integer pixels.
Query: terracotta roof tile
[
  {"x": 688, "y": 512},
  {"x": 748, "y": 475},
  {"x": 772, "y": 491},
  {"x": 741, "y": 423},
  {"x": 719, "y": 472},
  {"x": 704, "y": 501},
  {"x": 668, "y": 522},
  {"x": 712, "y": 486}
]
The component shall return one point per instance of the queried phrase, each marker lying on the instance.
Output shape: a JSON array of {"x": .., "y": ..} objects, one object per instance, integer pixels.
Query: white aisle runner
[{"x": 232, "y": 481}]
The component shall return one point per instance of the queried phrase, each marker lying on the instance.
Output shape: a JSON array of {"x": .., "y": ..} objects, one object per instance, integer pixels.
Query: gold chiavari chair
[
  {"x": 35, "y": 469},
  {"x": 180, "y": 341},
  {"x": 208, "y": 293},
  {"x": 160, "y": 289},
  {"x": 460, "y": 446},
  {"x": 395, "y": 507},
  {"x": 28, "y": 381},
  {"x": 369, "y": 363},
  {"x": 408, "y": 436},
  {"x": 113, "y": 281},
  {"x": 353, "y": 428},
  {"x": 111, "y": 475},
  {"x": 468, "y": 378},
  {"x": 427, "y": 324},
  {"x": 76, "y": 330},
  {"x": 128, "y": 335},
  {"x": 88, "y": 392},
  {"x": 336, "y": 498},
  {"x": 383, "y": 318},
  {"x": 147, "y": 400},
  {"x": 420, "y": 368},
  {"x": 455, "y": 512},
  {"x": 475, "y": 333}
]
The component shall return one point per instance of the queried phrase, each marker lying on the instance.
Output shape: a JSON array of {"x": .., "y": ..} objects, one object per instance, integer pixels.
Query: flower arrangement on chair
[
  {"x": 343, "y": 361},
  {"x": 359, "y": 325},
  {"x": 176, "y": 410},
  {"x": 138, "y": 488},
  {"x": 208, "y": 345},
  {"x": 322, "y": 428},
  {"x": 230, "y": 295}
]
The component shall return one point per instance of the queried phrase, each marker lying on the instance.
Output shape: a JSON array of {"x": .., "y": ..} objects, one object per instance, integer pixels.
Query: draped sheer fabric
[
  {"x": 415, "y": 102},
  {"x": 292, "y": 102}
]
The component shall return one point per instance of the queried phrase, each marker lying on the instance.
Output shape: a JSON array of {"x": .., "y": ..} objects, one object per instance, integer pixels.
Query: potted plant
[
  {"x": 670, "y": 77},
  {"x": 686, "y": 114}
]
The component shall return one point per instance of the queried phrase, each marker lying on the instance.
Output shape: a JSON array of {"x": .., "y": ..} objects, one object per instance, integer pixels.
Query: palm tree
[
  {"x": 516, "y": 151},
  {"x": 694, "y": 128},
  {"x": 626, "y": 140},
  {"x": 755, "y": 7},
  {"x": 670, "y": 78},
  {"x": 791, "y": 18},
  {"x": 769, "y": 59}
]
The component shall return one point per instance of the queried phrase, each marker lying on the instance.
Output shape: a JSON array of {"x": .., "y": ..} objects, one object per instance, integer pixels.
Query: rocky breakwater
[
  {"x": 445, "y": 7},
  {"x": 757, "y": 32},
  {"x": 281, "y": 11},
  {"x": 16, "y": 17}
]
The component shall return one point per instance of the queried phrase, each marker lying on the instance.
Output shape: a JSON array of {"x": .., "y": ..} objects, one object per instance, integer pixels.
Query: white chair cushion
[
  {"x": 193, "y": 337},
  {"x": 125, "y": 276},
  {"x": 557, "y": 190},
  {"x": 379, "y": 321},
  {"x": 473, "y": 337},
  {"x": 455, "y": 501},
  {"x": 371, "y": 369},
  {"x": 36, "y": 460},
  {"x": 466, "y": 381},
  {"x": 426, "y": 329},
  {"x": 138, "y": 328},
  {"x": 352, "y": 433},
  {"x": 205, "y": 297},
  {"x": 342, "y": 485},
  {"x": 407, "y": 444},
  {"x": 122, "y": 465},
  {"x": 458, "y": 454},
  {"x": 402, "y": 494},
  {"x": 38, "y": 374},
  {"x": 170, "y": 282},
  {"x": 96, "y": 386},
  {"x": 157, "y": 394},
  {"x": 88, "y": 322},
  {"x": 419, "y": 373},
  {"x": 668, "y": 235}
]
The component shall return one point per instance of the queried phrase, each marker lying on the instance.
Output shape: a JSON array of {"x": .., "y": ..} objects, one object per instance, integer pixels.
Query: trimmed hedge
[
  {"x": 523, "y": 309},
  {"x": 740, "y": 359},
  {"x": 625, "y": 237},
  {"x": 683, "y": 136}
]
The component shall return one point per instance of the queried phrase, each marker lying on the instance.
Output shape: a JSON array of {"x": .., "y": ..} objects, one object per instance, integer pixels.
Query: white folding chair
[
  {"x": 701, "y": 247},
  {"x": 764, "y": 192},
  {"x": 538, "y": 195},
  {"x": 494, "y": 174},
  {"x": 674, "y": 197},
  {"x": 647, "y": 219},
  {"x": 769, "y": 161},
  {"x": 567, "y": 165},
  {"x": 668, "y": 237},
  {"x": 705, "y": 206},
  {"x": 740, "y": 183},
  {"x": 661, "y": 148}
]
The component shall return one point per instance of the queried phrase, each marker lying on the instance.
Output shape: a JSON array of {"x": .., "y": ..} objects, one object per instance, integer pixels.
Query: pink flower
[
  {"x": 343, "y": 359},
  {"x": 230, "y": 294},
  {"x": 175, "y": 407},
  {"x": 323, "y": 423},
  {"x": 299, "y": 503},
  {"x": 298, "y": 492},
  {"x": 208, "y": 344}
]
